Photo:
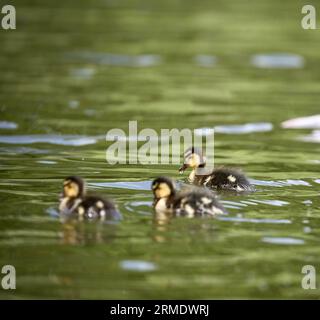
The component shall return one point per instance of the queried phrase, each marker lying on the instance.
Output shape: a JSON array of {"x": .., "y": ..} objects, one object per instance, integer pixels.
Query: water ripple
[
  {"x": 22, "y": 150},
  {"x": 52, "y": 212},
  {"x": 239, "y": 219},
  {"x": 276, "y": 203},
  {"x": 283, "y": 240},
  {"x": 280, "y": 183},
  {"x": 278, "y": 61},
  {"x": 311, "y": 122},
  {"x": 245, "y": 128},
  {"x": 134, "y": 206},
  {"x": 8, "y": 125},
  {"x": 233, "y": 204},
  {"x": 205, "y": 61},
  {"x": 73, "y": 104},
  {"x": 313, "y": 137},
  {"x": 46, "y": 162},
  {"x": 131, "y": 185},
  {"x": 82, "y": 73},
  {"x": 253, "y": 202},
  {"x": 137, "y": 265},
  {"x": 144, "y": 60},
  {"x": 66, "y": 140},
  {"x": 235, "y": 129}
]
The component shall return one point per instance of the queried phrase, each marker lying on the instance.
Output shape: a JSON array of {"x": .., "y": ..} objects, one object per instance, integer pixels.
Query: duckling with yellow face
[
  {"x": 75, "y": 203},
  {"x": 189, "y": 202},
  {"x": 220, "y": 178}
]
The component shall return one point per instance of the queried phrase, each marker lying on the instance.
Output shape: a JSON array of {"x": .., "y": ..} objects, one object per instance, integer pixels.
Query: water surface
[{"x": 70, "y": 73}]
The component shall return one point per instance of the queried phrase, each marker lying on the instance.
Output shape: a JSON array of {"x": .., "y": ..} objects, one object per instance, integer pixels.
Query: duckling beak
[{"x": 183, "y": 168}]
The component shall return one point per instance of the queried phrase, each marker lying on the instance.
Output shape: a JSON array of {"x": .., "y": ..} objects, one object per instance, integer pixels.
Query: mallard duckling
[
  {"x": 75, "y": 202},
  {"x": 190, "y": 202},
  {"x": 220, "y": 178}
]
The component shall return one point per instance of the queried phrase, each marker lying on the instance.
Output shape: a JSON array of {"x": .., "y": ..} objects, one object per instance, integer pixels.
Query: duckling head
[
  {"x": 163, "y": 187},
  {"x": 73, "y": 187},
  {"x": 193, "y": 158}
]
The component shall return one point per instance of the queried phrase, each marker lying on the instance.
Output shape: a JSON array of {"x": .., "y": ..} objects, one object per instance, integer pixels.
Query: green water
[{"x": 58, "y": 77}]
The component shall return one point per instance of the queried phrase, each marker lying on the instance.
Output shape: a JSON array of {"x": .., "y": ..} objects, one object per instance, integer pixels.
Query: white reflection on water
[
  {"x": 137, "y": 265},
  {"x": 52, "y": 212},
  {"x": 73, "y": 104},
  {"x": 233, "y": 204},
  {"x": 143, "y": 60},
  {"x": 245, "y": 128},
  {"x": 66, "y": 140},
  {"x": 241, "y": 204},
  {"x": 8, "y": 125},
  {"x": 280, "y": 183},
  {"x": 82, "y": 73},
  {"x": 47, "y": 162},
  {"x": 130, "y": 185},
  {"x": 235, "y": 129},
  {"x": 240, "y": 219},
  {"x": 314, "y": 136},
  {"x": 282, "y": 240},
  {"x": 307, "y": 202},
  {"x": 22, "y": 150},
  {"x": 311, "y": 122},
  {"x": 205, "y": 61},
  {"x": 278, "y": 61},
  {"x": 307, "y": 230},
  {"x": 276, "y": 203},
  {"x": 139, "y": 206}
]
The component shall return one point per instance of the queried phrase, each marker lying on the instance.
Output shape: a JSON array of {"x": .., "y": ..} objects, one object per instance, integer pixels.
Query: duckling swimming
[
  {"x": 221, "y": 178},
  {"x": 75, "y": 202},
  {"x": 190, "y": 202}
]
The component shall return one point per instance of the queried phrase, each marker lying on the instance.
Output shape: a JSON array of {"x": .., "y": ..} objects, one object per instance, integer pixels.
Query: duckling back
[
  {"x": 197, "y": 202},
  {"x": 228, "y": 179},
  {"x": 93, "y": 207},
  {"x": 89, "y": 208}
]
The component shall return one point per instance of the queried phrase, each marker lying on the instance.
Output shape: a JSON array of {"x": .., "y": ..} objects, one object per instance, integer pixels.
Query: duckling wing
[
  {"x": 230, "y": 179},
  {"x": 96, "y": 207},
  {"x": 197, "y": 203}
]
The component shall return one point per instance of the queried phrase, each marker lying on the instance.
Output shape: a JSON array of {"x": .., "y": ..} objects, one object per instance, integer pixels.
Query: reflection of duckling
[
  {"x": 190, "y": 202},
  {"x": 75, "y": 202},
  {"x": 220, "y": 178},
  {"x": 75, "y": 232}
]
